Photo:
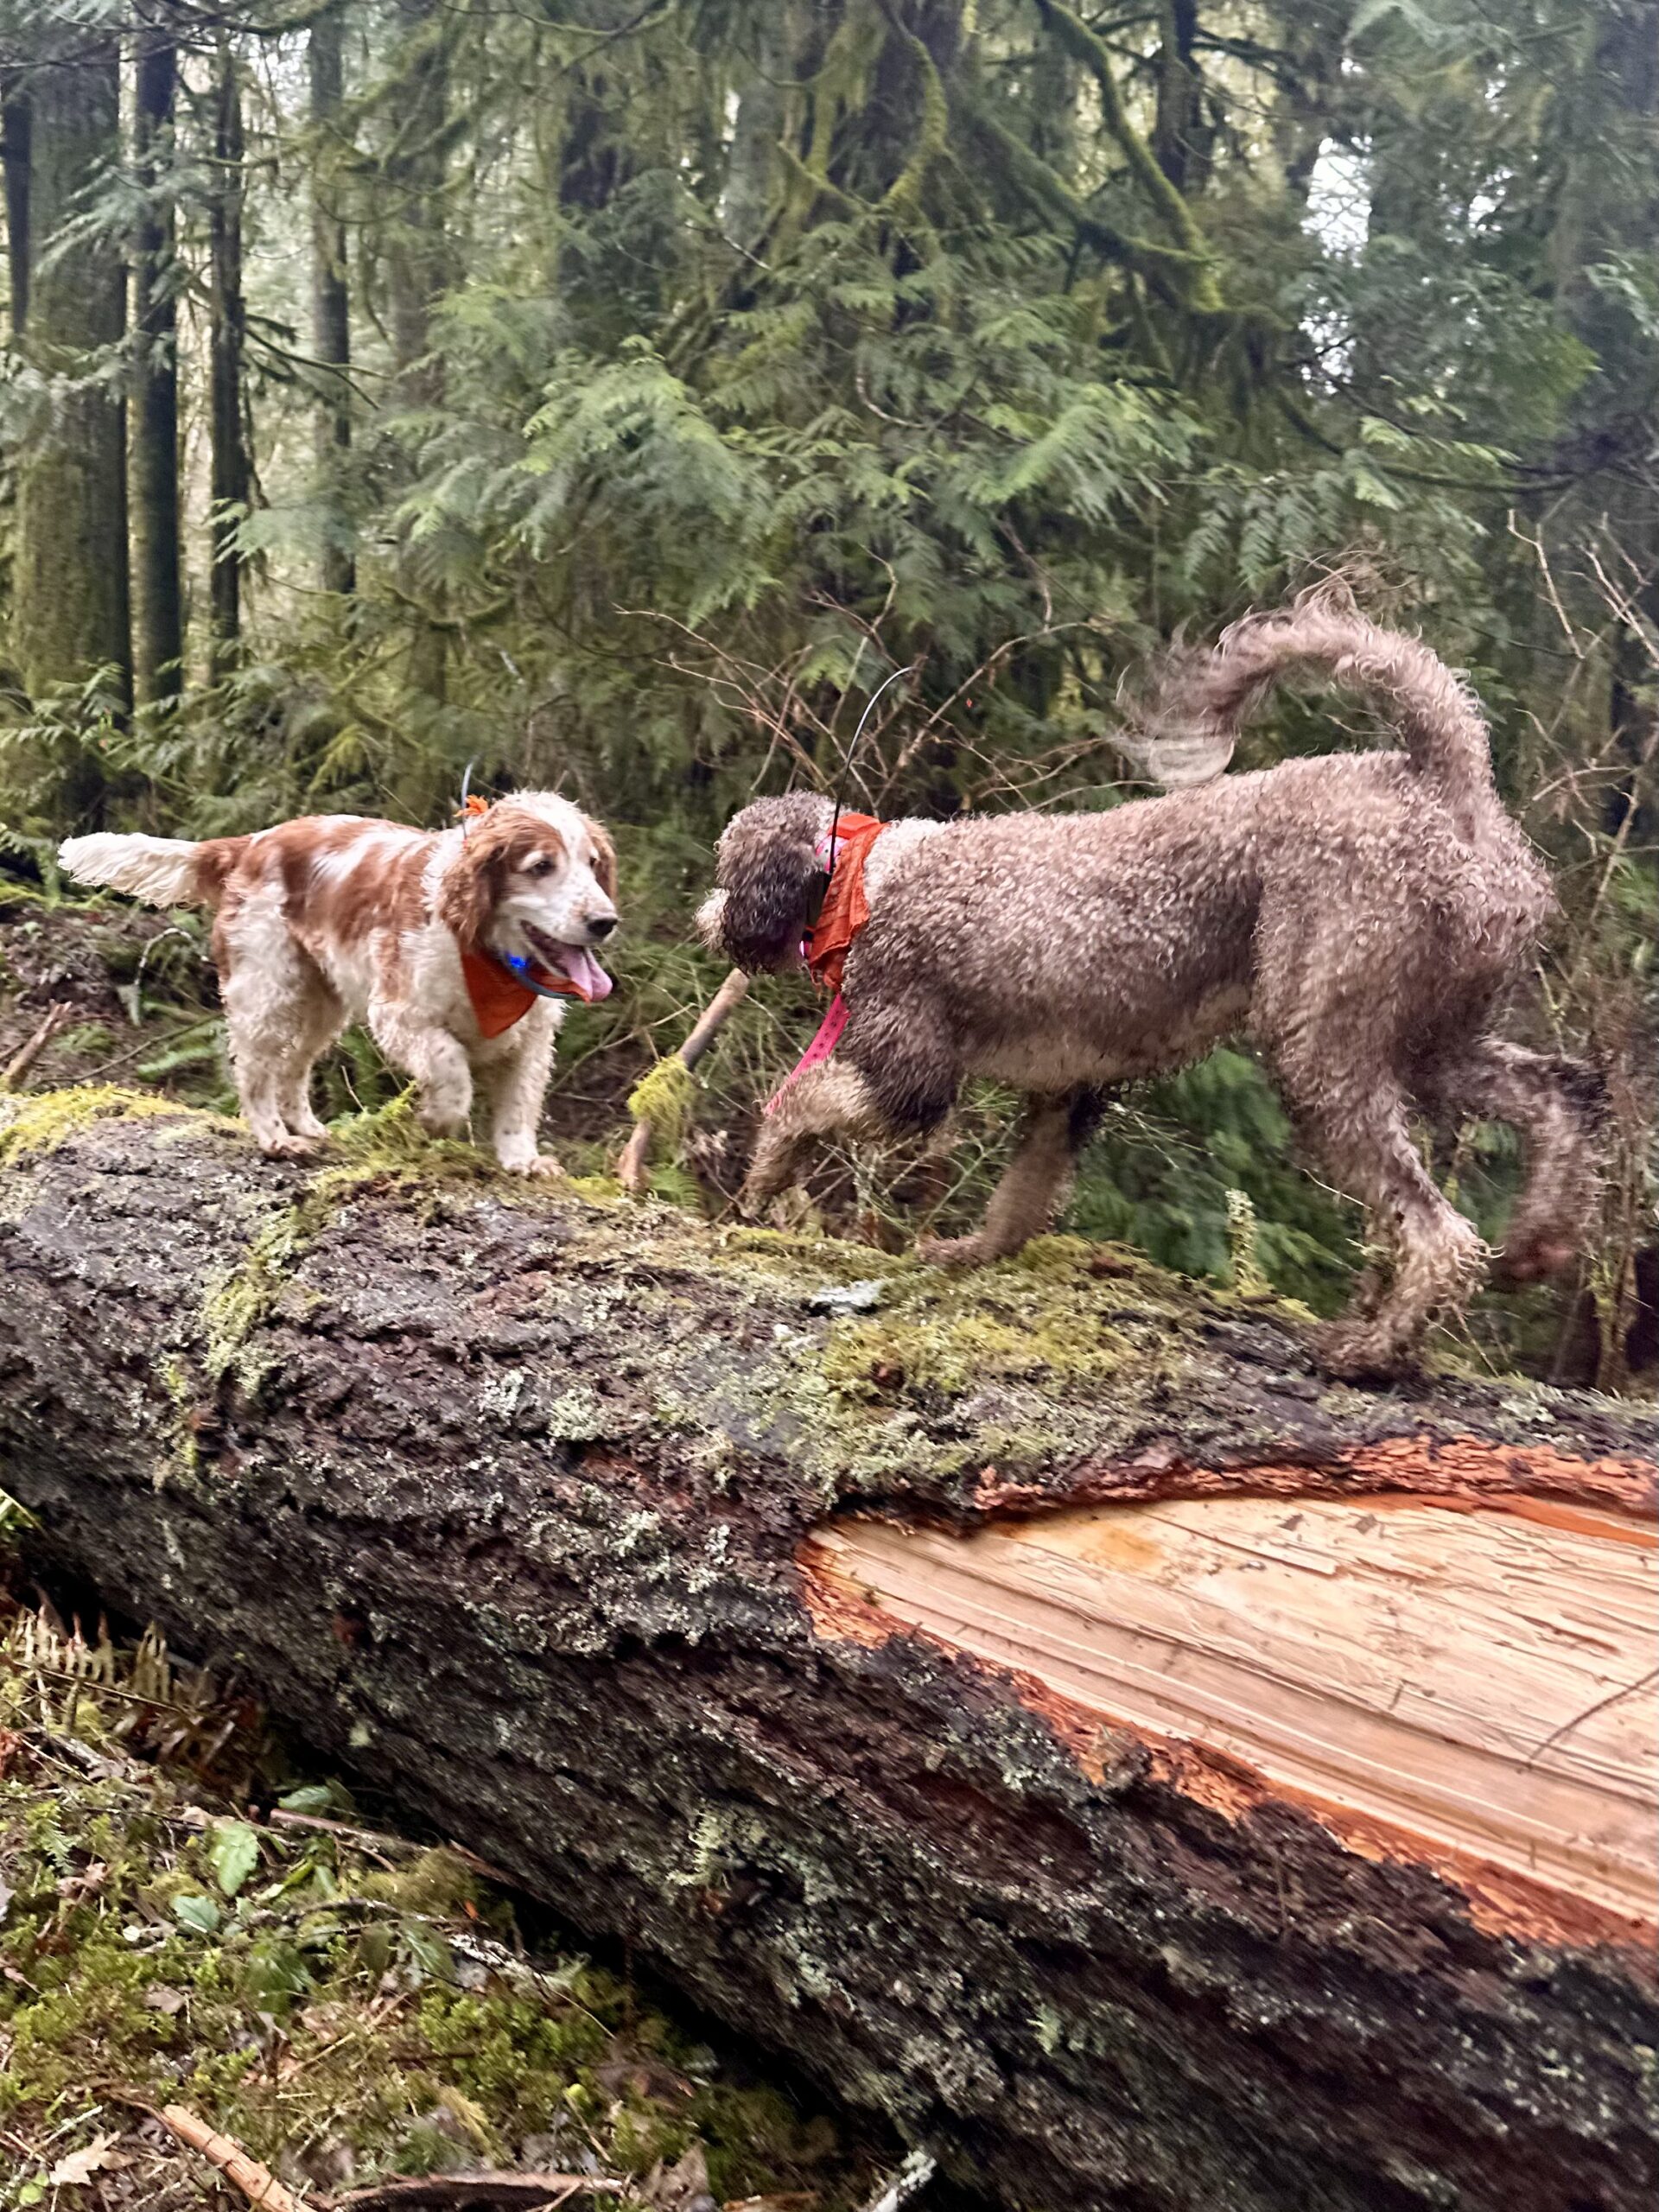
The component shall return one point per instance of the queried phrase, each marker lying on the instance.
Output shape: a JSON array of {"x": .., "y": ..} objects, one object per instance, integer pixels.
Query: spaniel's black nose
[{"x": 601, "y": 926}]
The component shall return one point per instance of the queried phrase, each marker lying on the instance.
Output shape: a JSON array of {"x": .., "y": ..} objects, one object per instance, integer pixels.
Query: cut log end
[{"x": 1471, "y": 1690}]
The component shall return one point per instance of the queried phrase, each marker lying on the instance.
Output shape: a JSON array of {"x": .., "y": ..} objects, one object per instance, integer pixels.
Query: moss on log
[{"x": 506, "y": 1498}]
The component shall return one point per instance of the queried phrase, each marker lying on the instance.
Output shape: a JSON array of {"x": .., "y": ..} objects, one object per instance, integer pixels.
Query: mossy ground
[{"x": 348, "y": 2006}]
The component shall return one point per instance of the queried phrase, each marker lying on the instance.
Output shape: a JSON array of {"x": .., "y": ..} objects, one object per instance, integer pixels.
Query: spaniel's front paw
[
  {"x": 289, "y": 1147},
  {"x": 531, "y": 1163}
]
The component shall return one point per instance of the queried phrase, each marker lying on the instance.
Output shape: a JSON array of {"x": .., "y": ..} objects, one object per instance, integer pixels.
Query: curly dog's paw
[
  {"x": 1533, "y": 1259},
  {"x": 1358, "y": 1352}
]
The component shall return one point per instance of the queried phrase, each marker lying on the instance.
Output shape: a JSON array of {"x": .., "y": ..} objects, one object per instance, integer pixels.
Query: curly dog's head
[{"x": 764, "y": 868}]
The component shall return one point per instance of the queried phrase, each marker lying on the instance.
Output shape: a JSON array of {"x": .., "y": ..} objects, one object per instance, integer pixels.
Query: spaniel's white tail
[{"x": 161, "y": 871}]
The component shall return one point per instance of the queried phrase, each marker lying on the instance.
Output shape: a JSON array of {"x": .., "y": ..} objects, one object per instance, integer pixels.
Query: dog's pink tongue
[{"x": 585, "y": 972}]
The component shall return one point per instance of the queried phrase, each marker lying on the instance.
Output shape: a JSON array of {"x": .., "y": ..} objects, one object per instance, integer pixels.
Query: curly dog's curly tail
[{"x": 1184, "y": 727}]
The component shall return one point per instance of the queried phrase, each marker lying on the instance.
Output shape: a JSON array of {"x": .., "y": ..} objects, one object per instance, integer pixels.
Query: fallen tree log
[{"x": 1043, "y": 1707}]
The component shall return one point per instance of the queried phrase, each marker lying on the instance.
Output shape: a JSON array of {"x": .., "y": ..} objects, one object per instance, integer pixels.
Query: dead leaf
[
  {"x": 162, "y": 1996},
  {"x": 74, "y": 1889},
  {"x": 682, "y": 2187},
  {"x": 99, "y": 2156}
]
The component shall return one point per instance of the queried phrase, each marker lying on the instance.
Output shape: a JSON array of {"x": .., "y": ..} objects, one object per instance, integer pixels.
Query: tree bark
[
  {"x": 1180, "y": 138},
  {"x": 331, "y": 320},
  {"x": 417, "y": 263},
  {"x": 158, "y": 611},
  {"x": 527, "y": 1509},
  {"x": 70, "y": 600},
  {"x": 14, "y": 149},
  {"x": 755, "y": 161},
  {"x": 231, "y": 465}
]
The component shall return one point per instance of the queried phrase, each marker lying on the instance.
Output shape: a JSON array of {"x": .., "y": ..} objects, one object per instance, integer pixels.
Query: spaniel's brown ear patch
[
  {"x": 496, "y": 844},
  {"x": 468, "y": 893},
  {"x": 604, "y": 859}
]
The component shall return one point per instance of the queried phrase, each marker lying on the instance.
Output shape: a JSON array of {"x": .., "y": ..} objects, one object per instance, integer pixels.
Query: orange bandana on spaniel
[{"x": 500, "y": 998}]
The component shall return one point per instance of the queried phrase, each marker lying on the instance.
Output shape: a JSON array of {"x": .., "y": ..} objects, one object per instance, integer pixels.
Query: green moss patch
[{"x": 38, "y": 1123}]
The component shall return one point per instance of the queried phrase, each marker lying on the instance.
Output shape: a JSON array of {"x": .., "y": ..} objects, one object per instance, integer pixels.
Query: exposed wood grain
[{"x": 1476, "y": 1680}]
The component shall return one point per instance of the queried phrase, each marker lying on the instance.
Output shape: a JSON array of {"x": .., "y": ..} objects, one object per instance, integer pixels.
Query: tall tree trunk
[
  {"x": 330, "y": 321},
  {"x": 418, "y": 263},
  {"x": 232, "y": 467},
  {"x": 1180, "y": 142},
  {"x": 1608, "y": 208},
  {"x": 752, "y": 164},
  {"x": 70, "y": 602},
  {"x": 14, "y": 154},
  {"x": 1313, "y": 35},
  {"x": 158, "y": 609}
]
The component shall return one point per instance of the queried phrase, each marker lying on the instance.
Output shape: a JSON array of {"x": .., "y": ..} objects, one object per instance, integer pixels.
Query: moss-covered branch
[{"x": 1084, "y": 45}]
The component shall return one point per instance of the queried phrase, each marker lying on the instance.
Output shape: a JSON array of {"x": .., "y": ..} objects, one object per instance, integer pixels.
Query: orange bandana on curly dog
[{"x": 846, "y": 908}]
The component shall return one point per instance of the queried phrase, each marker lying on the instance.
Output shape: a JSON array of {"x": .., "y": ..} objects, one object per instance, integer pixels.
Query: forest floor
[{"x": 188, "y": 1919}]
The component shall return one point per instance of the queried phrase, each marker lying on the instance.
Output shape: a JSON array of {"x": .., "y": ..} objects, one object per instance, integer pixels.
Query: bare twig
[
  {"x": 439, "y": 2192},
  {"x": 1537, "y": 547},
  {"x": 635, "y": 1158},
  {"x": 56, "y": 1018},
  {"x": 375, "y": 1840},
  {"x": 257, "y": 2182}
]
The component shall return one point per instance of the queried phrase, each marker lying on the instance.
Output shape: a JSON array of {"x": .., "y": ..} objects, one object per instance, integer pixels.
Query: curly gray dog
[{"x": 1354, "y": 917}]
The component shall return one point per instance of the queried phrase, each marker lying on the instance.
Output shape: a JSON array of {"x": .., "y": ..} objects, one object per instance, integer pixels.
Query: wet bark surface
[{"x": 500, "y": 1496}]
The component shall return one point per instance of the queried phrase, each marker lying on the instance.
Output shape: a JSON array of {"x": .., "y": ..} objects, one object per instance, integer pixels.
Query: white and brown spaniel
[{"x": 457, "y": 948}]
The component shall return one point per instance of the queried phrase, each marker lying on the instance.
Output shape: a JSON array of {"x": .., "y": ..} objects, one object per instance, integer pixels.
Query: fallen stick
[
  {"x": 257, "y": 2182},
  {"x": 635, "y": 1162},
  {"x": 377, "y": 1839},
  {"x": 56, "y": 1018}
]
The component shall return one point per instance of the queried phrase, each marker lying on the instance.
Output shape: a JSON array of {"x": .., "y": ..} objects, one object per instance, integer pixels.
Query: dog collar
[{"x": 846, "y": 909}]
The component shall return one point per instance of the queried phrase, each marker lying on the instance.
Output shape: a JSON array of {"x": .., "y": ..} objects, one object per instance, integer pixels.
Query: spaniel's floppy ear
[
  {"x": 604, "y": 860},
  {"x": 472, "y": 883},
  {"x": 768, "y": 858}
]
